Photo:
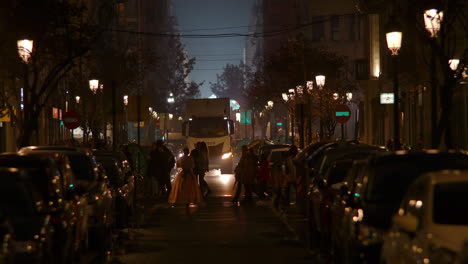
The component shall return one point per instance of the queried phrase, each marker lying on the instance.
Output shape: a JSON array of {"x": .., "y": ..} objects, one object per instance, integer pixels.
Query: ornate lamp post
[
  {"x": 292, "y": 96},
  {"x": 394, "y": 45},
  {"x": 432, "y": 20},
  {"x": 320, "y": 82}
]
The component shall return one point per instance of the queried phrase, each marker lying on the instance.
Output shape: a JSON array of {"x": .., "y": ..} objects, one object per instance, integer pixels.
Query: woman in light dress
[{"x": 185, "y": 189}]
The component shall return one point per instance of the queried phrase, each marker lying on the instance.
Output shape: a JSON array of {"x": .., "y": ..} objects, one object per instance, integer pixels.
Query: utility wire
[
  {"x": 239, "y": 59},
  {"x": 228, "y": 35},
  {"x": 214, "y": 55}
]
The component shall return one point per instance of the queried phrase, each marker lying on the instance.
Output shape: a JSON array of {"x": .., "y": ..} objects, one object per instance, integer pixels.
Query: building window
[
  {"x": 352, "y": 27},
  {"x": 335, "y": 27},
  {"x": 318, "y": 28},
  {"x": 361, "y": 68}
]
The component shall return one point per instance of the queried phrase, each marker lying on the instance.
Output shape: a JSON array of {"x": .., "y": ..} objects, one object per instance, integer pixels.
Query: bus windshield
[{"x": 208, "y": 127}]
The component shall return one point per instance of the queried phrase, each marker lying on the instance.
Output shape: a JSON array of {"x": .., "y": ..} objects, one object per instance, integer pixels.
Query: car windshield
[
  {"x": 82, "y": 166},
  {"x": 208, "y": 127},
  {"x": 450, "y": 207},
  {"x": 276, "y": 156},
  {"x": 16, "y": 198}
]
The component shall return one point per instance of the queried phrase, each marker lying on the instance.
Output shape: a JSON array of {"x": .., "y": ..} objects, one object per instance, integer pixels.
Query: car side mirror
[{"x": 408, "y": 223}]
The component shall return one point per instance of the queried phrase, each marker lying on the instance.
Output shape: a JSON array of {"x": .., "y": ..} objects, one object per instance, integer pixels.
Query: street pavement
[{"x": 216, "y": 231}]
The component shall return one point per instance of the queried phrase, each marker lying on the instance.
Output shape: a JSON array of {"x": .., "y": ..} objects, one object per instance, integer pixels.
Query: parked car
[
  {"x": 33, "y": 230},
  {"x": 122, "y": 189},
  {"x": 93, "y": 186},
  {"x": 75, "y": 204},
  {"x": 328, "y": 171},
  {"x": 431, "y": 225},
  {"x": 266, "y": 149},
  {"x": 376, "y": 197},
  {"x": 46, "y": 178}
]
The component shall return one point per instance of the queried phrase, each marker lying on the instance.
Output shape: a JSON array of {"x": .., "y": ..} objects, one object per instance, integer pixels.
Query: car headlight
[{"x": 226, "y": 155}]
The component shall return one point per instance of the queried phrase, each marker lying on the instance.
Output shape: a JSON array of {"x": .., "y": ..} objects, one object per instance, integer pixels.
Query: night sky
[{"x": 212, "y": 53}]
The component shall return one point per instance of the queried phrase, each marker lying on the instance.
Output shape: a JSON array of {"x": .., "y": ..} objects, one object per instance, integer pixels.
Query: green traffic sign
[{"x": 341, "y": 113}]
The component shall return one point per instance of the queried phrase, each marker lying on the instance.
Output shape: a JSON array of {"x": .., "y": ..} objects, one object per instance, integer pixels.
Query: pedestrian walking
[
  {"x": 185, "y": 189},
  {"x": 200, "y": 155},
  {"x": 290, "y": 170},
  {"x": 263, "y": 178},
  {"x": 245, "y": 173},
  {"x": 278, "y": 181},
  {"x": 160, "y": 165}
]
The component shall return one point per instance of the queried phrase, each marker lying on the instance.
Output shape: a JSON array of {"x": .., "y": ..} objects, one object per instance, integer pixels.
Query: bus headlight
[{"x": 226, "y": 155}]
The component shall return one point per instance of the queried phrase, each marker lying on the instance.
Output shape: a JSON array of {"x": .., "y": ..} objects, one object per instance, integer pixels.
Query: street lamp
[
  {"x": 310, "y": 86},
  {"x": 270, "y": 104},
  {"x": 171, "y": 99},
  {"x": 394, "y": 44},
  {"x": 94, "y": 85},
  {"x": 77, "y": 98},
  {"x": 432, "y": 19},
  {"x": 453, "y": 64},
  {"x": 125, "y": 100},
  {"x": 335, "y": 96},
  {"x": 291, "y": 94},
  {"x": 320, "y": 81},
  {"x": 25, "y": 48}
]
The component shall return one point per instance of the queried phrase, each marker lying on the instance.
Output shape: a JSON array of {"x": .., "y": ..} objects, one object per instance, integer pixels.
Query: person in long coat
[{"x": 245, "y": 173}]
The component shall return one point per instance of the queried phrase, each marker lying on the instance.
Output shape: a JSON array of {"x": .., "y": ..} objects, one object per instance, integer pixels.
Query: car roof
[
  {"x": 15, "y": 160},
  {"x": 447, "y": 176},
  {"x": 279, "y": 149},
  {"x": 54, "y": 148}
]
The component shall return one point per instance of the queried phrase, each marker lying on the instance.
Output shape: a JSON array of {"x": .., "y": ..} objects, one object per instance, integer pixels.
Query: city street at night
[
  {"x": 217, "y": 231},
  {"x": 233, "y": 131}
]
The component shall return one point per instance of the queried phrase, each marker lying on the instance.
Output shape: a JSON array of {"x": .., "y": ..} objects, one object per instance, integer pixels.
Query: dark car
[
  {"x": 121, "y": 186},
  {"x": 46, "y": 177},
  {"x": 321, "y": 193},
  {"x": 76, "y": 205},
  {"x": 90, "y": 184},
  {"x": 23, "y": 204},
  {"x": 383, "y": 181}
]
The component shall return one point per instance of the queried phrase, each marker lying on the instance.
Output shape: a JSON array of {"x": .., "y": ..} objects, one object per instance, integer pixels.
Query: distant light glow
[
  {"x": 225, "y": 178},
  {"x": 238, "y": 117}
]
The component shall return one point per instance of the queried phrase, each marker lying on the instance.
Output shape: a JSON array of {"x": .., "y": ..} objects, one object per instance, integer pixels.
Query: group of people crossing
[
  {"x": 189, "y": 185},
  {"x": 253, "y": 175}
]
